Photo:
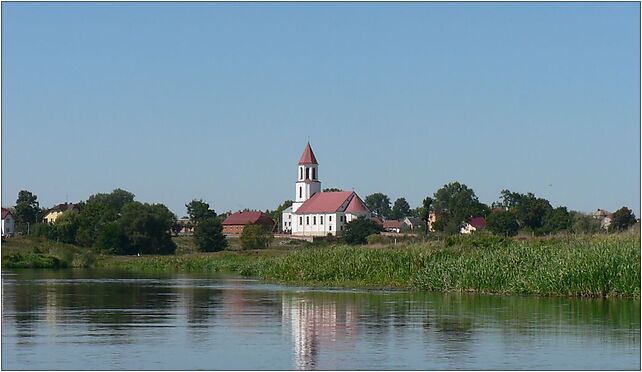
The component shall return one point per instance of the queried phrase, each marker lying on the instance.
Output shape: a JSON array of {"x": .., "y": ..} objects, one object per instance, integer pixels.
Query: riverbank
[
  {"x": 595, "y": 266},
  {"x": 586, "y": 266}
]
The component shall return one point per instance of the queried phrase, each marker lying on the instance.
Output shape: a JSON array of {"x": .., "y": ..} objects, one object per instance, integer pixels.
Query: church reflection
[{"x": 316, "y": 325}]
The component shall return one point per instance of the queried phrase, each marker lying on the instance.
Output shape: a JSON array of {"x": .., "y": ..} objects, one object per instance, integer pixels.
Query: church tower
[{"x": 307, "y": 183}]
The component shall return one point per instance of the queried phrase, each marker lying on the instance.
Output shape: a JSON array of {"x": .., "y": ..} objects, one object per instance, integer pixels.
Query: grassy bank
[
  {"x": 44, "y": 254},
  {"x": 596, "y": 266}
]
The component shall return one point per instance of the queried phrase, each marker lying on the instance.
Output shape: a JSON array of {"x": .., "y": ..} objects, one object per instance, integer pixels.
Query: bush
[
  {"x": 255, "y": 236},
  {"x": 357, "y": 231},
  {"x": 502, "y": 223},
  {"x": 208, "y": 235}
]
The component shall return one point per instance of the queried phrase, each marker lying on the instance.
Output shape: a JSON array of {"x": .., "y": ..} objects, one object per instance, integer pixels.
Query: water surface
[{"x": 85, "y": 319}]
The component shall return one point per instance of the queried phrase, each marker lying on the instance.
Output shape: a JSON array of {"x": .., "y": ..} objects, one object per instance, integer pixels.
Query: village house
[
  {"x": 604, "y": 217},
  {"x": 394, "y": 225},
  {"x": 8, "y": 223},
  {"x": 413, "y": 222},
  {"x": 473, "y": 224},
  {"x": 52, "y": 214},
  {"x": 316, "y": 213},
  {"x": 234, "y": 223},
  {"x": 187, "y": 227}
]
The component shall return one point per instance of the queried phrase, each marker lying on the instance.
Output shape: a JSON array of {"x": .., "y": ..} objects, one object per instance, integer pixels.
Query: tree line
[{"x": 455, "y": 202}]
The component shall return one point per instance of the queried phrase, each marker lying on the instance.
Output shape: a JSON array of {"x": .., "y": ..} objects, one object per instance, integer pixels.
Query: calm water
[{"x": 89, "y": 320}]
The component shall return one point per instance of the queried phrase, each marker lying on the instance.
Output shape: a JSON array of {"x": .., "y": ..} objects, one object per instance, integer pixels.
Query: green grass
[
  {"x": 592, "y": 266},
  {"x": 44, "y": 254}
]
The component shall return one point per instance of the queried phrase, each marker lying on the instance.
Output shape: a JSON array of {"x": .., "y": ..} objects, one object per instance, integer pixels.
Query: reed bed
[{"x": 591, "y": 266}]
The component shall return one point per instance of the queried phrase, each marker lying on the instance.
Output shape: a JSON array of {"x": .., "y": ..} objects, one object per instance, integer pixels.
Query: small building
[
  {"x": 394, "y": 225},
  {"x": 234, "y": 223},
  {"x": 187, "y": 227},
  {"x": 473, "y": 224},
  {"x": 432, "y": 218},
  {"x": 413, "y": 222},
  {"x": 8, "y": 223},
  {"x": 52, "y": 214},
  {"x": 605, "y": 217}
]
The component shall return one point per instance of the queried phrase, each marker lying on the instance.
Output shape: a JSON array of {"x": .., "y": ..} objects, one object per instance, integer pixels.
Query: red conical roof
[
  {"x": 308, "y": 156},
  {"x": 357, "y": 205}
]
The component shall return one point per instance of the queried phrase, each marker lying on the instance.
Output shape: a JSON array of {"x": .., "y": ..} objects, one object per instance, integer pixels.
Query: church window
[
  {"x": 330, "y": 227},
  {"x": 300, "y": 192},
  {"x": 314, "y": 176},
  {"x": 320, "y": 220},
  {"x": 307, "y": 220},
  {"x": 307, "y": 173},
  {"x": 314, "y": 220},
  {"x": 300, "y": 173},
  {"x": 330, "y": 218},
  {"x": 300, "y": 220}
]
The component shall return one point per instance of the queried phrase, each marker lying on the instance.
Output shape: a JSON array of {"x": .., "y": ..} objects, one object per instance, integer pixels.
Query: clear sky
[{"x": 175, "y": 101}]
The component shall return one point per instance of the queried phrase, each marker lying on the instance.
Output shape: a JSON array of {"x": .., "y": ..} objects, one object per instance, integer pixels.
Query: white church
[{"x": 316, "y": 213}]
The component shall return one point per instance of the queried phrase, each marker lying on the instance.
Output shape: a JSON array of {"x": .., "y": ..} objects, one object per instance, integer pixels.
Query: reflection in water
[{"x": 82, "y": 319}]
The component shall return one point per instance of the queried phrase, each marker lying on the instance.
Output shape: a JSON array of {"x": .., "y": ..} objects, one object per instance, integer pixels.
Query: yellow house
[{"x": 52, "y": 215}]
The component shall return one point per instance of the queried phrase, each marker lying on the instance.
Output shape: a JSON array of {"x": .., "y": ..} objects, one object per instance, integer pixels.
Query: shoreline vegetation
[{"x": 565, "y": 265}]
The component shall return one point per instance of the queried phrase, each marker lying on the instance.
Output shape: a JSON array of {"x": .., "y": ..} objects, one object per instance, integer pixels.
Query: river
[{"x": 88, "y": 319}]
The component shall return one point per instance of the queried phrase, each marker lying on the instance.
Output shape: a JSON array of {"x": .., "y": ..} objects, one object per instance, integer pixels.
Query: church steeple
[
  {"x": 307, "y": 183},
  {"x": 308, "y": 156}
]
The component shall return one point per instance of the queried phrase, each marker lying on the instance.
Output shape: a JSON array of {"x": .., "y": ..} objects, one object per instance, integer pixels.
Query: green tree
[
  {"x": 255, "y": 236},
  {"x": 529, "y": 209},
  {"x": 208, "y": 235},
  {"x": 454, "y": 203},
  {"x": 100, "y": 210},
  {"x": 113, "y": 239},
  {"x": 558, "y": 219},
  {"x": 147, "y": 228},
  {"x": 622, "y": 219},
  {"x": 198, "y": 210},
  {"x": 276, "y": 214},
  {"x": 502, "y": 223},
  {"x": 66, "y": 227},
  {"x": 584, "y": 224},
  {"x": 27, "y": 208},
  {"x": 379, "y": 204},
  {"x": 400, "y": 209},
  {"x": 331, "y": 189},
  {"x": 357, "y": 231}
]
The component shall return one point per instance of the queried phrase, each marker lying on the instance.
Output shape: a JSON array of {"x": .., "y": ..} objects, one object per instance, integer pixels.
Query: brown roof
[
  {"x": 245, "y": 217},
  {"x": 357, "y": 205},
  {"x": 477, "y": 222},
  {"x": 308, "y": 156},
  {"x": 5, "y": 213},
  {"x": 392, "y": 224}
]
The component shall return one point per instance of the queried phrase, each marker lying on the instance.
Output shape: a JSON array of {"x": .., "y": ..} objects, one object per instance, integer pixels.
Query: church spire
[{"x": 308, "y": 156}]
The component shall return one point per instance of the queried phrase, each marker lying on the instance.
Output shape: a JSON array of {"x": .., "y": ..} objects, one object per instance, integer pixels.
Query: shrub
[
  {"x": 255, "y": 236},
  {"x": 208, "y": 235},
  {"x": 357, "y": 231}
]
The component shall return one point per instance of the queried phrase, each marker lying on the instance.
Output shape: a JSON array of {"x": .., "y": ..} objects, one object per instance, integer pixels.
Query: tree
[
  {"x": 400, "y": 209},
  {"x": 557, "y": 219},
  {"x": 100, "y": 210},
  {"x": 198, "y": 210},
  {"x": 66, "y": 227},
  {"x": 331, "y": 189},
  {"x": 502, "y": 223},
  {"x": 584, "y": 224},
  {"x": 622, "y": 219},
  {"x": 424, "y": 210},
  {"x": 27, "y": 208},
  {"x": 147, "y": 228},
  {"x": 529, "y": 210},
  {"x": 379, "y": 204},
  {"x": 208, "y": 235},
  {"x": 357, "y": 231},
  {"x": 276, "y": 214},
  {"x": 454, "y": 203},
  {"x": 255, "y": 236}
]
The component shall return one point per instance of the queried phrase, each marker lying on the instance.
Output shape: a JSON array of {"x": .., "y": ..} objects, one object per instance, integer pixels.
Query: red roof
[
  {"x": 392, "y": 224},
  {"x": 5, "y": 213},
  {"x": 245, "y": 217},
  {"x": 477, "y": 222},
  {"x": 308, "y": 156},
  {"x": 332, "y": 201},
  {"x": 357, "y": 205}
]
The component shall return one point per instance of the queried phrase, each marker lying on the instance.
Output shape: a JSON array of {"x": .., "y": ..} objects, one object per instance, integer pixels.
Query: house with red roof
[
  {"x": 235, "y": 222},
  {"x": 394, "y": 225},
  {"x": 316, "y": 213},
  {"x": 473, "y": 224},
  {"x": 8, "y": 223}
]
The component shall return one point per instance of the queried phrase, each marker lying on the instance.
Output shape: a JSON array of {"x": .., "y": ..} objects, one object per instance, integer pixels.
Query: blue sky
[{"x": 175, "y": 101}]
